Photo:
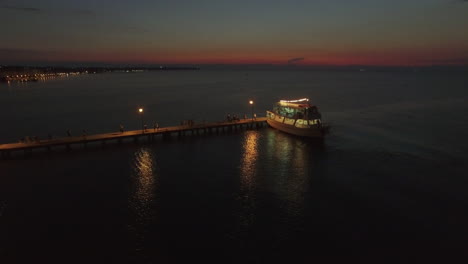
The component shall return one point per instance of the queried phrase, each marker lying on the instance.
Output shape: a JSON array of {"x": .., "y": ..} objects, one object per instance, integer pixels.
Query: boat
[{"x": 297, "y": 117}]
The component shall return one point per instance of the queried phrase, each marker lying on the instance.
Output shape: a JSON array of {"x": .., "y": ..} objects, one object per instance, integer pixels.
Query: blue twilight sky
[{"x": 339, "y": 32}]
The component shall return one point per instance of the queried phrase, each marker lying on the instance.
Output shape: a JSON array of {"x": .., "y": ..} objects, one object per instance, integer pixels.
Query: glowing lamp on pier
[
  {"x": 140, "y": 112},
  {"x": 252, "y": 104}
]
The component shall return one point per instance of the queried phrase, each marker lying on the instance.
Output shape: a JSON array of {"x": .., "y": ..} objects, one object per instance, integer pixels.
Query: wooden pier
[{"x": 67, "y": 142}]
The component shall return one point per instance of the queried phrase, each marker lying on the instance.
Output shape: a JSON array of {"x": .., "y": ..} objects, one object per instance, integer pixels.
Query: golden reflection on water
[
  {"x": 248, "y": 180},
  {"x": 249, "y": 159},
  {"x": 145, "y": 176},
  {"x": 142, "y": 198}
]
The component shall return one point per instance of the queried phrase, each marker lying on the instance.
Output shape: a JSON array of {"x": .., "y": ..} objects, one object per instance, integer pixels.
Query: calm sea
[{"x": 389, "y": 184}]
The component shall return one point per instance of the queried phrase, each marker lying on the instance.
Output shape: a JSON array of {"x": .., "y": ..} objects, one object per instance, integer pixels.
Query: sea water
[{"x": 388, "y": 183}]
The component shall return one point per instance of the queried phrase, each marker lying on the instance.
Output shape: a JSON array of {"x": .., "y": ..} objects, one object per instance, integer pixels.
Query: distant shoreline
[
  {"x": 34, "y": 74},
  {"x": 17, "y": 73}
]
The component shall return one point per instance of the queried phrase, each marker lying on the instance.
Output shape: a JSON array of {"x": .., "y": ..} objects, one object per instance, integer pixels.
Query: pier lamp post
[
  {"x": 140, "y": 112},
  {"x": 252, "y": 105}
]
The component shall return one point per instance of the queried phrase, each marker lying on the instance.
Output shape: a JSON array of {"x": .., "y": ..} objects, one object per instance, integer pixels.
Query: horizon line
[{"x": 136, "y": 64}]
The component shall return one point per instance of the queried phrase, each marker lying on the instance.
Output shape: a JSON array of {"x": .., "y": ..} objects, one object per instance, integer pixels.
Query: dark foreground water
[{"x": 387, "y": 185}]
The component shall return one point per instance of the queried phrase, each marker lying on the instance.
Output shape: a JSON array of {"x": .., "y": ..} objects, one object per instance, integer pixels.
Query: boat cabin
[{"x": 297, "y": 109}]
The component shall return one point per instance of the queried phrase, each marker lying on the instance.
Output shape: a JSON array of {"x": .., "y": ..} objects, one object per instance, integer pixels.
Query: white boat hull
[{"x": 313, "y": 131}]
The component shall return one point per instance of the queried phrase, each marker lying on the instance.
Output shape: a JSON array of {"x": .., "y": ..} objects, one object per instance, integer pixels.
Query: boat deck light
[{"x": 295, "y": 101}]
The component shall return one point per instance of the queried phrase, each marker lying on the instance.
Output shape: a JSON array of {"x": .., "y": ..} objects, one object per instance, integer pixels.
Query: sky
[{"x": 304, "y": 32}]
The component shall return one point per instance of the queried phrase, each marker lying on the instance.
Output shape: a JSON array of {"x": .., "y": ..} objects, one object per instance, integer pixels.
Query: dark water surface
[{"x": 388, "y": 184}]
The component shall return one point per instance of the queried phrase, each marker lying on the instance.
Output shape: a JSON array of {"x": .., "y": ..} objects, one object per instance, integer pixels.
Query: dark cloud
[
  {"x": 21, "y": 8},
  {"x": 76, "y": 12},
  {"x": 294, "y": 60}
]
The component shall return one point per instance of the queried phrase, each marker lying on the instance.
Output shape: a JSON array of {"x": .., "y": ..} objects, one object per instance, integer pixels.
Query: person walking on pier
[
  {"x": 121, "y": 128},
  {"x": 84, "y": 134},
  {"x": 144, "y": 128},
  {"x": 69, "y": 133},
  {"x": 156, "y": 126}
]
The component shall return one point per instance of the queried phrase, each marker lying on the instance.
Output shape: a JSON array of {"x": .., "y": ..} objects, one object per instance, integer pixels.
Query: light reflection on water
[
  {"x": 249, "y": 159},
  {"x": 248, "y": 174},
  {"x": 274, "y": 164},
  {"x": 144, "y": 169},
  {"x": 141, "y": 200},
  {"x": 290, "y": 169}
]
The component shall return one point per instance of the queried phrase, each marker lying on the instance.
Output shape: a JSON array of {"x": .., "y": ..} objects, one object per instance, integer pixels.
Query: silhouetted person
[
  {"x": 69, "y": 132},
  {"x": 49, "y": 136},
  {"x": 121, "y": 128},
  {"x": 144, "y": 128}
]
